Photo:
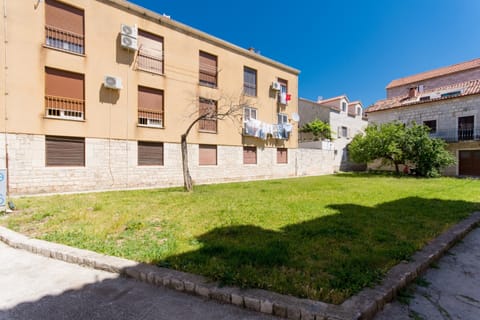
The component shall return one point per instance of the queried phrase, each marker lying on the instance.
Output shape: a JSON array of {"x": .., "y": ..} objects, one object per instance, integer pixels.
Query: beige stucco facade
[{"x": 111, "y": 116}]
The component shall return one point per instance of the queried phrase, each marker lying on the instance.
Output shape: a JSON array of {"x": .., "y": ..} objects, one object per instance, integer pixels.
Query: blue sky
[{"x": 351, "y": 47}]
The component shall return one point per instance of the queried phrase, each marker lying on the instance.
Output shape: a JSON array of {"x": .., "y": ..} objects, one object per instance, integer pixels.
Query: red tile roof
[
  {"x": 468, "y": 88},
  {"x": 435, "y": 73}
]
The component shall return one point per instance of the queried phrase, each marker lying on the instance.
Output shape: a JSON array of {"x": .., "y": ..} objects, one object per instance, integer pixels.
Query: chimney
[{"x": 412, "y": 92}]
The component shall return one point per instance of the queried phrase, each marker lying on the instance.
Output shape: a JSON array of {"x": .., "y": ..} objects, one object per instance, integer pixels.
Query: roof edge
[{"x": 187, "y": 30}]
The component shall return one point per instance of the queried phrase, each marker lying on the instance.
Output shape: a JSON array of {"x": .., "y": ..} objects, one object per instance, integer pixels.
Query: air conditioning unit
[
  {"x": 130, "y": 31},
  {"x": 128, "y": 42},
  {"x": 112, "y": 82},
  {"x": 276, "y": 86}
]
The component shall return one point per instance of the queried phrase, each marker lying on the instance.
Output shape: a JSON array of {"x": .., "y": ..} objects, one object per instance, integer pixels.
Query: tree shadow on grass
[{"x": 329, "y": 258}]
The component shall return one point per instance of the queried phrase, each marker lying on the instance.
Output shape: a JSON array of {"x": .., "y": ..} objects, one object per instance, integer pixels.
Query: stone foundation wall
[{"x": 112, "y": 165}]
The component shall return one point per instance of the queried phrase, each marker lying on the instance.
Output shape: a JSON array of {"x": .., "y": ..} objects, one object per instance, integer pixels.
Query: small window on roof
[
  {"x": 451, "y": 94},
  {"x": 425, "y": 98}
]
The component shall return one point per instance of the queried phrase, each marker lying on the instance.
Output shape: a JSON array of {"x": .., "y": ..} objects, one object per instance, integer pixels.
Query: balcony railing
[
  {"x": 149, "y": 63},
  {"x": 453, "y": 135},
  {"x": 65, "y": 108},
  {"x": 64, "y": 40},
  {"x": 150, "y": 118}
]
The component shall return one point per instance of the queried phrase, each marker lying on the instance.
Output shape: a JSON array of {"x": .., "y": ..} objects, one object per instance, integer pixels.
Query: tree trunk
[
  {"x": 397, "y": 169},
  {"x": 187, "y": 179}
]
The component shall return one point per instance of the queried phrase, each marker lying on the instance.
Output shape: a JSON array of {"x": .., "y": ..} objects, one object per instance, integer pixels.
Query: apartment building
[
  {"x": 447, "y": 100},
  {"x": 96, "y": 94},
  {"x": 346, "y": 119}
]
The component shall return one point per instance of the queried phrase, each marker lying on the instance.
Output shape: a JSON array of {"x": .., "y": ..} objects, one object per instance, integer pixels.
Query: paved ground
[
  {"x": 35, "y": 287},
  {"x": 449, "y": 291}
]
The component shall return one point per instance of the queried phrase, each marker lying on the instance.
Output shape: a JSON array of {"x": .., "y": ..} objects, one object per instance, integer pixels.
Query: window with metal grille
[
  {"x": 64, "y": 27},
  {"x": 150, "y": 153},
  {"x": 250, "y": 155},
  {"x": 150, "y": 107},
  {"x": 208, "y": 69},
  {"x": 207, "y": 155},
  {"x": 282, "y": 155},
  {"x": 208, "y": 107},
  {"x": 64, "y": 94},
  {"x": 249, "y": 81},
  {"x": 150, "y": 52},
  {"x": 64, "y": 151}
]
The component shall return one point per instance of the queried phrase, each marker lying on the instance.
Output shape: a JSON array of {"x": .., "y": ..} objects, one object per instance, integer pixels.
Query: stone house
[
  {"x": 346, "y": 119},
  {"x": 447, "y": 100}
]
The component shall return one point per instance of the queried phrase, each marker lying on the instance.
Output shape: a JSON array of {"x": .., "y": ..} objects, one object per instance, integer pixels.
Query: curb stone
[{"x": 364, "y": 305}]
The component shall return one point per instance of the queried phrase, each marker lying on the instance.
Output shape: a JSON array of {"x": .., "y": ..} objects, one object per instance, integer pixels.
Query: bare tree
[{"x": 223, "y": 109}]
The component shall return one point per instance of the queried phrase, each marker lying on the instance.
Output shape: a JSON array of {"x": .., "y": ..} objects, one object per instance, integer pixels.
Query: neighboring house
[
  {"x": 345, "y": 118},
  {"x": 448, "y": 101},
  {"x": 96, "y": 94}
]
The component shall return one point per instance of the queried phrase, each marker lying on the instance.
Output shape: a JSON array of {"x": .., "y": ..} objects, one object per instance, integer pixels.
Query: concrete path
[
  {"x": 450, "y": 290},
  {"x": 35, "y": 287}
]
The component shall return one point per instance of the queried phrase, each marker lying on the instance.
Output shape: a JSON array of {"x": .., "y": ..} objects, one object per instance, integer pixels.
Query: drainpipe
[{"x": 5, "y": 73}]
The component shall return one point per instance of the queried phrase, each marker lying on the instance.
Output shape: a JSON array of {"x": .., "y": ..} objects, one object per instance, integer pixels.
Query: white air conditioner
[
  {"x": 130, "y": 31},
  {"x": 276, "y": 86},
  {"x": 128, "y": 42},
  {"x": 112, "y": 82}
]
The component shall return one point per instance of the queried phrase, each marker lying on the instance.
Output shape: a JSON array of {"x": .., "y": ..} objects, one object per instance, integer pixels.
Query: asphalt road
[{"x": 36, "y": 287}]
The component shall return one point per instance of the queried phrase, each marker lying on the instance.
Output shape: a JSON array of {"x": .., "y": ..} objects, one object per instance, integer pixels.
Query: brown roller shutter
[
  {"x": 249, "y": 155},
  {"x": 208, "y": 69},
  {"x": 150, "y": 99},
  {"x": 207, "y": 155},
  {"x": 282, "y": 155},
  {"x": 59, "y": 83},
  {"x": 150, "y": 53},
  {"x": 64, "y": 17},
  {"x": 206, "y": 106},
  {"x": 150, "y": 153},
  {"x": 64, "y": 151}
]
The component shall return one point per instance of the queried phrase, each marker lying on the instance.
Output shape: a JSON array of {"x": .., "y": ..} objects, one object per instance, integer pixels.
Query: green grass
[{"x": 322, "y": 238}]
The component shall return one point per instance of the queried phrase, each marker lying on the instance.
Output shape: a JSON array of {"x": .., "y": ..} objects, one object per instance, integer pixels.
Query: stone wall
[{"x": 112, "y": 164}]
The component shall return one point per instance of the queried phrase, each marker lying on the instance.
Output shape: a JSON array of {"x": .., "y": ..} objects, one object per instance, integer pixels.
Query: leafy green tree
[
  {"x": 385, "y": 142},
  {"x": 318, "y": 128},
  {"x": 394, "y": 143}
]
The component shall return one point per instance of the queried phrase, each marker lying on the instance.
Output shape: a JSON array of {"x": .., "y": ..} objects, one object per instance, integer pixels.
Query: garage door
[{"x": 469, "y": 164}]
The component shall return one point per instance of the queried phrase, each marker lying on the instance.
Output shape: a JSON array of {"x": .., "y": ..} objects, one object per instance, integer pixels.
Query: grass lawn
[{"x": 323, "y": 238}]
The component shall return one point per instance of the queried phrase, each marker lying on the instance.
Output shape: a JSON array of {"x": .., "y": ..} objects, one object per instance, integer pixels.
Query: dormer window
[
  {"x": 450, "y": 94},
  {"x": 359, "y": 111},
  {"x": 344, "y": 106}
]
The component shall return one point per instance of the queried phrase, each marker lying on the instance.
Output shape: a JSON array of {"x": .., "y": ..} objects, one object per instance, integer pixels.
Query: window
[
  {"x": 282, "y": 155},
  {"x": 249, "y": 82},
  {"x": 283, "y": 94},
  {"x": 343, "y": 132},
  {"x": 344, "y": 106},
  {"x": 64, "y": 94},
  {"x": 465, "y": 128},
  {"x": 249, "y": 113},
  {"x": 450, "y": 94},
  {"x": 207, "y": 155},
  {"x": 208, "y": 69},
  {"x": 432, "y": 125},
  {"x": 150, "y": 107},
  {"x": 282, "y": 118},
  {"x": 150, "y": 52},
  {"x": 150, "y": 153},
  {"x": 359, "y": 111},
  {"x": 209, "y": 124},
  {"x": 249, "y": 155},
  {"x": 64, "y": 151},
  {"x": 64, "y": 27},
  {"x": 425, "y": 98}
]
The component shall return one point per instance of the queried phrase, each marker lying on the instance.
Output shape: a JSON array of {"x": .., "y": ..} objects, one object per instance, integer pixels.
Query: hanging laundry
[{"x": 282, "y": 96}]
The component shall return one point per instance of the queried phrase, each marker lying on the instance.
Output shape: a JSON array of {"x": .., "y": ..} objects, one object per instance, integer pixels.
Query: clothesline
[{"x": 263, "y": 130}]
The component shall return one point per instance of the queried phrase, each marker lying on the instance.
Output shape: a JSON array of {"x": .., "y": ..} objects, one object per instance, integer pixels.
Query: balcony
[
  {"x": 150, "y": 118},
  {"x": 64, "y": 108},
  {"x": 454, "y": 135}
]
